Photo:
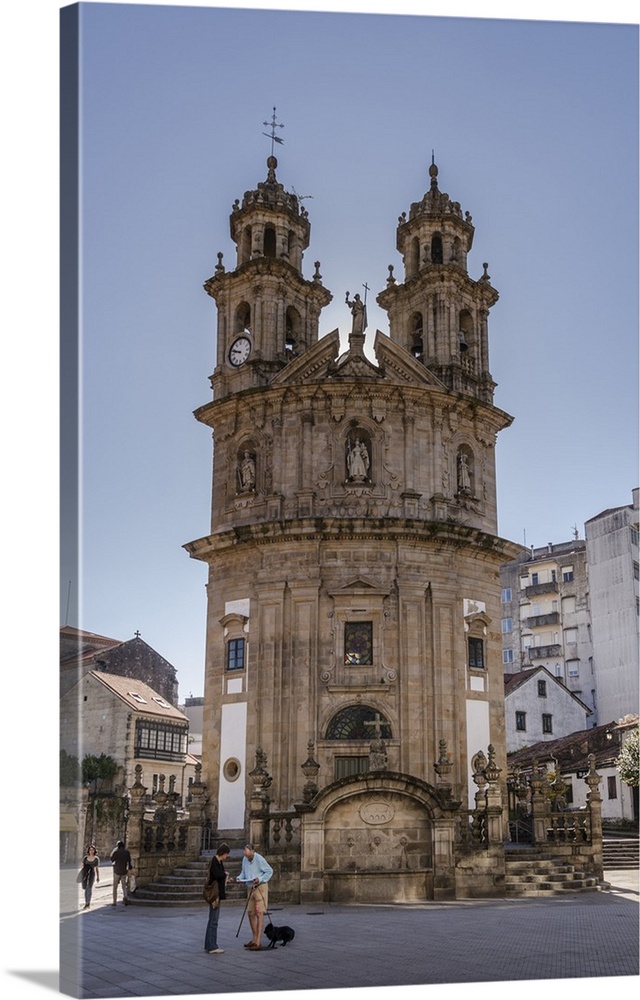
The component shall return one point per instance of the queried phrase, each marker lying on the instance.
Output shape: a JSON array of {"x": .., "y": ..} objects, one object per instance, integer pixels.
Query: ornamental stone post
[
  {"x": 594, "y": 805},
  {"x": 493, "y": 799},
  {"x": 196, "y": 813},
  {"x": 539, "y": 806},
  {"x": 137, "y": 793},
  {"x": 260, "y": 801}
]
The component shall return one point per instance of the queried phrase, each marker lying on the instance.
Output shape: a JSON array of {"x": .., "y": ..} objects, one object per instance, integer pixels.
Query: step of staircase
[
  {"x": 183, "y": 886},
  {"x": 531, "y": 874},
  {"x": 621, "y": 852}
]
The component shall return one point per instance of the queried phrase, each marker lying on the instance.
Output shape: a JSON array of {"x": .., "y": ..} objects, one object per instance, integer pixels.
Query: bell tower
[
  {"x": 268, "y": 313},
  {"x": 439, "y": 314}
]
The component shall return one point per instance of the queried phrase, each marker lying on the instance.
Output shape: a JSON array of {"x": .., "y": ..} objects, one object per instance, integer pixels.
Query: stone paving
[{"x": 144, "y": 951}]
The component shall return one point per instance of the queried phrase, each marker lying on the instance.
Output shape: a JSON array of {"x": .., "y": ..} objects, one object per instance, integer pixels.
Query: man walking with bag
[
  {"x": 256, "y": 872},
  {"x": 121, "y": 860}
]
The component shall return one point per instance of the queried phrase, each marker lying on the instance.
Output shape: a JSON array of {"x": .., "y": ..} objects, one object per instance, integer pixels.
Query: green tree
[
  {"x": 69, "y": 770},
  {"x": 95, "y": 769},
  {"x": 627, "y": 762}
]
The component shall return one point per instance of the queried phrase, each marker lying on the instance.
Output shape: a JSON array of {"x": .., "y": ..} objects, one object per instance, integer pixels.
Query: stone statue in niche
[
  {"x": 464, "y": 474},
  {"x": 247, "y": 473},
  {"x": 358, "y": 461}
]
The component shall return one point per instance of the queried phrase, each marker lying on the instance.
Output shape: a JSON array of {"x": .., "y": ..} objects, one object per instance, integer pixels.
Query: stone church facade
[{"x": 353, "y": 659}]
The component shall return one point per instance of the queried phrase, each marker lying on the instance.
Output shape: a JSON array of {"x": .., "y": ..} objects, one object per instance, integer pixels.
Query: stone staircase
[
  {"x": 183, "y": 886},
  {"x": 535, "y": 874},
  {"x": 621, "y": 852}
]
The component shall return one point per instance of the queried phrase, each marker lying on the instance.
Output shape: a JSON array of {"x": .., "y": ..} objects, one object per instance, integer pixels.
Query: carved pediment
[
  {"x": 359, "y": 585},
  {"x": 399, "y": 366},
  {"x": 313, "y": 364}
]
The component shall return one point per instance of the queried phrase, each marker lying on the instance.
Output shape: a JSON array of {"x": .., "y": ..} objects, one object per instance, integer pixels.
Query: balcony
[
  {"x": 543, "y": 652},
  {"x": 541, "y": 588},
  {"x": 550, "y": 619}
]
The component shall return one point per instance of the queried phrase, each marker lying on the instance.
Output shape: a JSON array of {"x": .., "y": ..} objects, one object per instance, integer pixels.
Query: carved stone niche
[
  {"x": 246, "y": 469},
  {"x": 358, "y": 457}
]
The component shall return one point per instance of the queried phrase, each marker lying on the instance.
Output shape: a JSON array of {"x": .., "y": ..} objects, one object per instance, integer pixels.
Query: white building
[
  {"x": 569, "y": 756},
  {"x": 613, "y": 569},
  {"x": 538, "y": 707},
  {"x": 546, "y": 617},
  {"x": 193, "y": 708}
]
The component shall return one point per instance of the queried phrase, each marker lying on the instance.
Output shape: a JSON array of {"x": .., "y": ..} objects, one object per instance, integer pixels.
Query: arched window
[
  {"x": 293, "y": 328},
  {"x": 413, "y": 257},
  {"x": 465, "y": 330},
  {"x": 245, "y": 251},
  {"x": 417, "y": 342},
  {"x": 269, "y": 241},
  {"x": 358, "y": 722},
  {"x": 243, "y": 317},
  {"x": 436, "y": 249}
]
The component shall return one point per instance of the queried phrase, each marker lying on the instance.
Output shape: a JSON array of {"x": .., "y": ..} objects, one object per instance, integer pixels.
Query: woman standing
[
  {"x": 219, "y": 875},
  {"x": 90, "y": 873}
]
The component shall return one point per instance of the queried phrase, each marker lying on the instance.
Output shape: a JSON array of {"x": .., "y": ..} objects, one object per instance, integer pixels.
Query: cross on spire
[{"x": 272, "y": 134}]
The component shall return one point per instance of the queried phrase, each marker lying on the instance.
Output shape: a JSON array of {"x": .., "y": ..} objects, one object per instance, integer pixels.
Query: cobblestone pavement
[{"x": 144, "y": 951}]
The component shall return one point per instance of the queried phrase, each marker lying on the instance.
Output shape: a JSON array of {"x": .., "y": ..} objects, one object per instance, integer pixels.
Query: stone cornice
[{"x": 357, "y": 529}]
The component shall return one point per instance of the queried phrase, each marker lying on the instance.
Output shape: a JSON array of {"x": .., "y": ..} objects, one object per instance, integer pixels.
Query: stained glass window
[
  {"x": 358, "y": 722},
  {"x": 358, "y": 643}
]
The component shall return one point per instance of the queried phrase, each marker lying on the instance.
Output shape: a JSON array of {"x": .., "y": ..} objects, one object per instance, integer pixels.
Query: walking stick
[{"x": 246, "y": 905}]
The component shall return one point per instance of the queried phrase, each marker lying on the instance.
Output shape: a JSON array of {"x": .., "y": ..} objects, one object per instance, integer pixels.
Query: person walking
[
  {"x": 122, "y": 865},
  {"x": 256, "y": 872},
  {"x": 90, "y": 873},
  {"x": 219, "y": 875}
]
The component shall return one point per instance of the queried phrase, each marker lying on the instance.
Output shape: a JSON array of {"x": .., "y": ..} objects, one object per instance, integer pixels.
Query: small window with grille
[{"x": 346, "y": 767}]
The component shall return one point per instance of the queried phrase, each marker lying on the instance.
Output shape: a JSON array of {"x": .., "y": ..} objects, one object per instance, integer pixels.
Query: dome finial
[{"x": 433, "y": 171}]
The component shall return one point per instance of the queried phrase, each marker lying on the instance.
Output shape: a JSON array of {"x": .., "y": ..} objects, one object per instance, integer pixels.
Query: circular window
[{"x": 232, "y": 769}]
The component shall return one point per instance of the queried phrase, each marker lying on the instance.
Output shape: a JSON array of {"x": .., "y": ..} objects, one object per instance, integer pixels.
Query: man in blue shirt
[{"x": 255, "y": 872}]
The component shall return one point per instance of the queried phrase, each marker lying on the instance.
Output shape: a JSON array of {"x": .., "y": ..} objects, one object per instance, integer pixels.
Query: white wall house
[{"x": 539, "y": 708}]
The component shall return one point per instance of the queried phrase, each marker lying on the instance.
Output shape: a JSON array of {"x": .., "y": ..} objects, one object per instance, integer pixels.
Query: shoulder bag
[{"x": 211, "y": 893}]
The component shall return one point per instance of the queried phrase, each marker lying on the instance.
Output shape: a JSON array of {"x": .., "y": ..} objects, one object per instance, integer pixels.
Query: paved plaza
[{"x": 146, "y": 951}]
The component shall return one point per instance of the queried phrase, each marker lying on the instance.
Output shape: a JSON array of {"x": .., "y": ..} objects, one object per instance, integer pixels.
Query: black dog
[{"x": 282, "y": 934}]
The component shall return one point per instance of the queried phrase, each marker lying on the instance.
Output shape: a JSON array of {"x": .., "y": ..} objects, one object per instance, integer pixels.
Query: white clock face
[{"x": 240, "y": 351}]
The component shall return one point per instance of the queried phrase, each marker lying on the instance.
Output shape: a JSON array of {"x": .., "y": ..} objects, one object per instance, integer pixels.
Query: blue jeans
[{"x": 211, "y": 936}]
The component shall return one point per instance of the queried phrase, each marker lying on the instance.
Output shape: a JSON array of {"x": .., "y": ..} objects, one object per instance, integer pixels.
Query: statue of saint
[
  {"x": 357, "y": 312},
  {"x": 358, "y": 461},
  {"x": 464, "y": 476},
  {"x": 247, "y": 472}
]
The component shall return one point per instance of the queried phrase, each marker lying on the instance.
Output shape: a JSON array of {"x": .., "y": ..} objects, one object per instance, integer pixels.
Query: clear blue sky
[{"x": 534, "y": 127}]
